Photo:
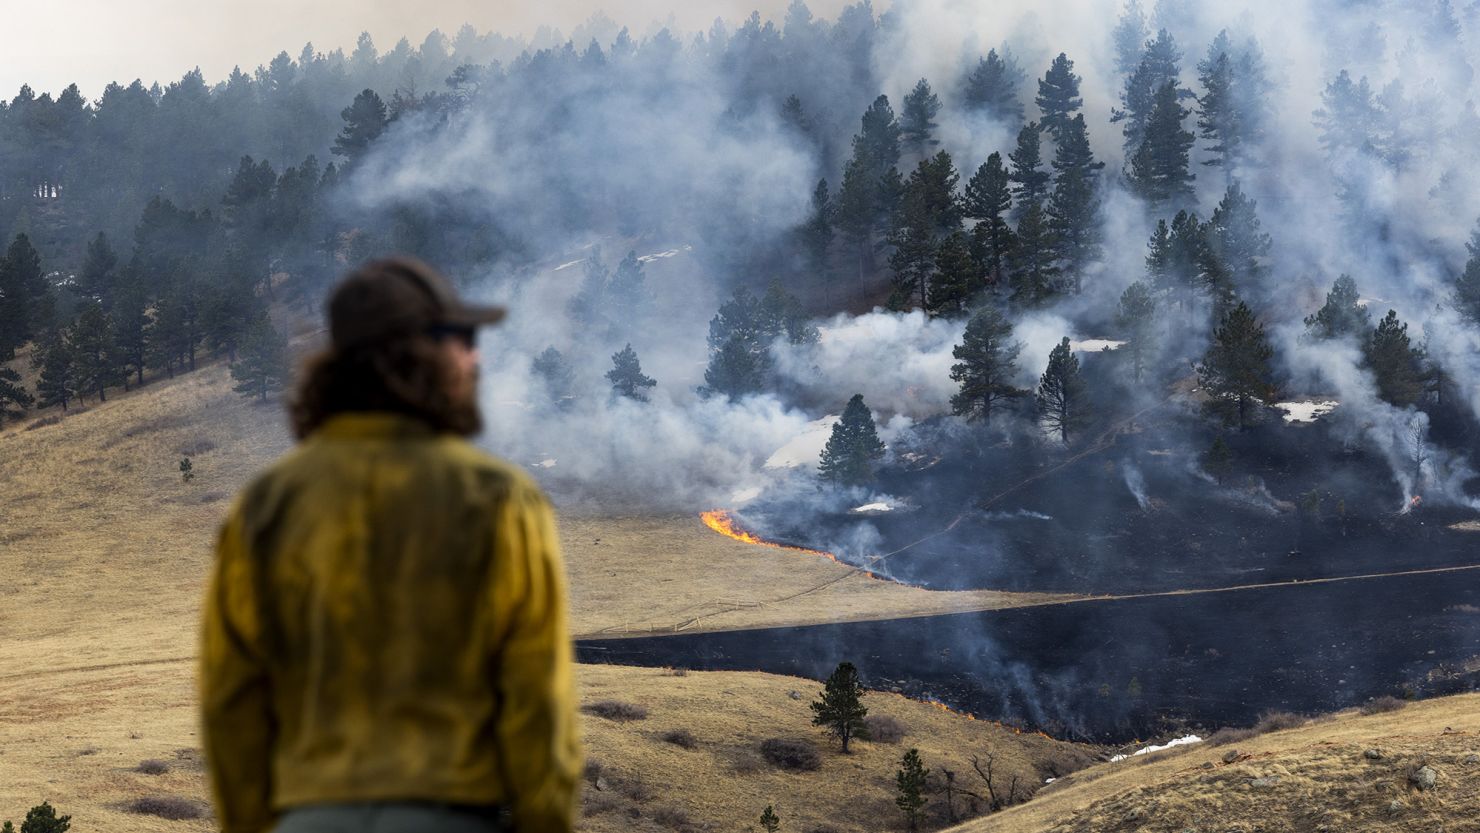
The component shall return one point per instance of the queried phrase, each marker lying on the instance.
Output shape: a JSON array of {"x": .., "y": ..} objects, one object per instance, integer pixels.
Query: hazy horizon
[{"x": 92, "y": 42}]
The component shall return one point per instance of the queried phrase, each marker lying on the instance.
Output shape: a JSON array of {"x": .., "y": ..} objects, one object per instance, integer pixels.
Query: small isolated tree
[
  {"x": 626, "y": 376},
  {"x": 559, "y": 379},
  {"x": 1218, "y": 459},
  {"x": 43, "y": 818},
  {"x": 986, "y": 364},
  {"x": 262, "y": 361},
  {"x": 1062, "y": 405},
  {"x": 187, "y": 470},
  {"x": 910, "y": 781},
  {"x": 1136, "y": 317},
  {"x": 770, "y": 822},
  {"x": 1342, "y": 315},
  {"x": 849, "y": 456},
  {"x": 1236, "y": 372},
  {"x": 840, "y": 707}
]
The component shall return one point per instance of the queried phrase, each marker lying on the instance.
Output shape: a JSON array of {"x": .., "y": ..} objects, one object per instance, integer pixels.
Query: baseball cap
[{"x": 396, "y": 297}]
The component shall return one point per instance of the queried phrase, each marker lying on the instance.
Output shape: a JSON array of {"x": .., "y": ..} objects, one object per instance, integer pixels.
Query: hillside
[
  {"x": 1316, "y": 777},
  {"x": 105, "y": 547}
]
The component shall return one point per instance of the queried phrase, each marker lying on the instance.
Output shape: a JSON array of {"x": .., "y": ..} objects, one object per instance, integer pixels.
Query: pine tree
[
  {"x": 839, "y": 707},
  {"x": 991, "y": 88},
  {"x": 1058, "y": 96},
  {"x": 14, "y": 399},
  {"x": 99, "y": 270},
  {"x": 986, "y": 366},
  {"x": 626, "y": 376},
  {"x": 853, "y": 447},
  {"x": 934, "y": 182},
  {"x": 1074, "y": 205},
  {"x": 1129, "y": 37},
  {"x": 1031, "y": 181},
  {"x": 735, "y": 370},
  {"x": 910, "y": 781},
  {"x": 1343, "y": 315},
  {"x": 1063, "y": 408},
  {"x": 551, "y": 368},
  {"x": 779, "y": 314},
  {"x": 93, "y": 351},
  {"x": 877, "y": 144},
  {"x": 588, "y": 307},
  {"x": 817, "y": 233},
  {"x": 1159, "y": 170},
  {"x": 1220, "y": 112},
  {"x": 626, "y": 293},
  {"x": 956, "y": 279},
  {"x": 913, "y": 260},
  {"x": 56, "y": 383},
  {"x": 1349, "y": 116},
  {"x": 770, "y": 822},
  {"x": 130, "y": 321},
  {"x": 988, "y": 201},
  {"x": 262, "y": 366},
  {"x": 1033, "y": 271},
  {"x": 1397, "y": 366},
  {"x": 854, "y": 212},
  {"x": 1159, "y": 66},
  {"x": 23, "y": 296},
  {"x": 1235, "y": 372},
  {"x": 1185, "y": 257},
  {"x": 364, "y": 121},
  {"x": 1236, "y": 243},
  {"x": 1136, "y": 317},
  {"x": 917, "y": 123},
  {"x": 1218, "y": 459},
  {"x": 795, "y": 117},
  {"x": 1159, "y": 258},
  {"x": 43, "y": 818},
  {"x": 1466, "y": 296}
]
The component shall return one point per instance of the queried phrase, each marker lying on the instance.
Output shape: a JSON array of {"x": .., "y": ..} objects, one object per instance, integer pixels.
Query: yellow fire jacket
[{"x": 386, "y": 621}]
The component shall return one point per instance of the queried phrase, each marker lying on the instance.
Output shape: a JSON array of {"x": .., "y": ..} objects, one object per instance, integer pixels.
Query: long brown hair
[{"x": 409, "y": 375}]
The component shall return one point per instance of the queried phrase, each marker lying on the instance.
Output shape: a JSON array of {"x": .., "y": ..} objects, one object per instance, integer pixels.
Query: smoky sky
[{"x": 93, "y": 42}]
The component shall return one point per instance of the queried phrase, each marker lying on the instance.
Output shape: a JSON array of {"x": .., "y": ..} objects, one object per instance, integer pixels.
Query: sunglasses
[{"x": 467, "y": 335}]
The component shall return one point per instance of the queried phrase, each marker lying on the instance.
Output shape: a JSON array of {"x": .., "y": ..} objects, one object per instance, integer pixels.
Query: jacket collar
[{"x": 372, "y": 425}]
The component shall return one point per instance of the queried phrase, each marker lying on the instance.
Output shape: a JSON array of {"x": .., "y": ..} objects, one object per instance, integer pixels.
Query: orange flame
[{"x": 722, "y": 522}]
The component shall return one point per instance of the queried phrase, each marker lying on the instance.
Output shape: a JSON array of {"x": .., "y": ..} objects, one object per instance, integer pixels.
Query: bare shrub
[
  {"x": 676, "y": 672},
  {"x": 792, "y": 753},
  {"x": 1229, "y": 734},
  {"x": 594, "y": 769},
  {"x": 88, "y": 750},
  {"x": 616, "y": 710},
  {"x": 747, "y": 763},
  {"x": 152, "y": 767},
  {"x": 1062, "y": 761},
  {"x": 1385, "y": 703},
  {"x": 636, "y": 789},
  {"x": 54, "y": 419},
  {"x": 672, "y": 818},
  {"x": 167, "y": 807},
  {"x": 884, "y": 729},
  {"x": 595, "y": 803},
  {"x": 1277, "y": 722},
  {"x": 682, "y": 738}
]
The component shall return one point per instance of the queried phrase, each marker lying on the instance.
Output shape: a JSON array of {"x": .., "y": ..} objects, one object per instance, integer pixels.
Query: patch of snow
[
  {"x": 806, "y": 447},
  {"x": 547, "y": 463},
  {"x": 1306, "y": 411},
  {"x": 1182, "y": 741},
  {"x": 568, "y": 265},
  {"x": 1049, "y": 780},
  {"x": 744, "y": 496},
  {"x": 1095, "y": 345},
  {"x": 872, "y": 508},
  {"x": 670, "y": 253}
]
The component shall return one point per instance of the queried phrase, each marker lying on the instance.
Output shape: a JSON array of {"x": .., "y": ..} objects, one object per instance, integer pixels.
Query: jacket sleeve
[
  {"x": 236, "y": 718},
  {"x": 539, "y": 747}
]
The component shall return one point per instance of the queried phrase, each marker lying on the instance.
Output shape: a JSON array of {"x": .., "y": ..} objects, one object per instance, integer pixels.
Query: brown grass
[{"x": 105, "y": 551}]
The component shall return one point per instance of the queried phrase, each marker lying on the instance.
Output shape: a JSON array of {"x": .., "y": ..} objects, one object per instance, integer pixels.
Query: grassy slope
[
  {"x": 1322, "y": 781},
  {"x": 104, "y": 550}
]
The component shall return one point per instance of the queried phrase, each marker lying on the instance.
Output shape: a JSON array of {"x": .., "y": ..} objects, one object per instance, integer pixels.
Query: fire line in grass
[{"x": 721, "y": 521}]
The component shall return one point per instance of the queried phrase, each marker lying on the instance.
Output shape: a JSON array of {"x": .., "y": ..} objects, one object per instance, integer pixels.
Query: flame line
[{"x": 721, "y": 521}]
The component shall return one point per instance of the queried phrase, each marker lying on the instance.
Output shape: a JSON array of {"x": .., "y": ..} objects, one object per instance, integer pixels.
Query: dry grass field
[{"x": 104, "y": 549}]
